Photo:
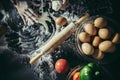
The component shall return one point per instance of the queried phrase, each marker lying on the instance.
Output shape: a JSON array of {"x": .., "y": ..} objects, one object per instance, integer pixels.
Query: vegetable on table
[
  {"x": 62, "y": 66},
  {"x": 90, "y": 72},
  {"x": 76, "y": 76}
]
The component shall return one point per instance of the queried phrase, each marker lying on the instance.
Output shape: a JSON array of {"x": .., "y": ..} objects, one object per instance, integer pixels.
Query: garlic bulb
[{"x": 56, "y": 5}]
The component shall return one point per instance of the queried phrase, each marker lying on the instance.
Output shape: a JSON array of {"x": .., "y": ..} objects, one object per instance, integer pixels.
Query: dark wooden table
[{"x": 113, "y": 68}]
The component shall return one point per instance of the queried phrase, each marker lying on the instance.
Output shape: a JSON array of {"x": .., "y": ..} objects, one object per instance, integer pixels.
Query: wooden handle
[
  {"x": 34, "y": 59},
  {"x": 54, "y": 42},
  {"x": 82, "y": 18},
  {"x": 58, "y": 39}
]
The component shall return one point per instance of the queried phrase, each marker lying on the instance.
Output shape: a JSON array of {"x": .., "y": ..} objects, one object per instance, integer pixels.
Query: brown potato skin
[{"x": 100, "y": 22}]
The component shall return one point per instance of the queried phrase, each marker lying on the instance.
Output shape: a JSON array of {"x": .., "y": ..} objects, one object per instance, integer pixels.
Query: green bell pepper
[{"x": 90, "y": 72}]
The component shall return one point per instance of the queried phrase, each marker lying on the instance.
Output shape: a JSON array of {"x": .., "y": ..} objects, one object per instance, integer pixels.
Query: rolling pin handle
[
  {"x": 33, "y": 60},
  {"x": 58, "y": 39},
  {"x": 82, "y": 18}
]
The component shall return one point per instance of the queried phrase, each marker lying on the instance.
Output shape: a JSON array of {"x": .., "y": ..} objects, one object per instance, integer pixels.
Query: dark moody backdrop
[{"x": 114, "y": 67}]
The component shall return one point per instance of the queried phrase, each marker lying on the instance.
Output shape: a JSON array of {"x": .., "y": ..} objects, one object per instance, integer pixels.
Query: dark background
[
  {"x": 113, "y": 68},
  {"x": 116, "y": 10}
]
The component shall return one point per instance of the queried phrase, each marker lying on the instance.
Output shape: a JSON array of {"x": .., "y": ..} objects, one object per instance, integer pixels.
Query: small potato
[
  {"x": 98, "y": 54},
  {"x": 87, "y": 48},
  {"x": 104, "y": 33},
  {"x": 107, "y": 46},
  {"x": 84, "y": 37},
  {"x": 116, "y": 38},
  {"x": 90, "y": 29},
  {"x": 100, "y": 22},
  {"x": 96, "y": 41},
  {"x": 61, "y": 21}
]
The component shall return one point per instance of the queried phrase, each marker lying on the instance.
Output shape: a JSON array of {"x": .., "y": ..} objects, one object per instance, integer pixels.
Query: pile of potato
[{"x": 98, "y": 39}]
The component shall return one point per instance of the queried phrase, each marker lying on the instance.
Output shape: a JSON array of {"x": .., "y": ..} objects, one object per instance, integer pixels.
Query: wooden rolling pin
[{"x": 58, "y": 38}]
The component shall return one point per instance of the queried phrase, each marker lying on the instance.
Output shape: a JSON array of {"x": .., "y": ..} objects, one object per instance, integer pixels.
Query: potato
[
  {"x": 116, "y": 38},
  {"x": 104, "y": 33},
  {"x": 90, "y": 29},
  {"x": 84, "y": 37},
  {"x": 100, "y": 22},
  {"x": 96, "y": 41},
  {"x": 61, "y": 21},
  {"x": 87, "y": 48},
  {"x": 107, "y": 46},
  {"x": 98, "y": 54}
]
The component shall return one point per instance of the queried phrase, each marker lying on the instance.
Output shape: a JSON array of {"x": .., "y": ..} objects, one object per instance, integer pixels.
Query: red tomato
[
  {"x": 76, "y": 76},
  {"x": 62, "y": 66}
]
